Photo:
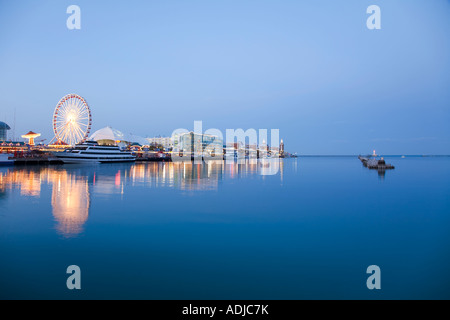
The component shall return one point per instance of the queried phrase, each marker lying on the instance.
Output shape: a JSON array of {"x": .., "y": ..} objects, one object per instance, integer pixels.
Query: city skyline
[{"x": 313, "y": 71}]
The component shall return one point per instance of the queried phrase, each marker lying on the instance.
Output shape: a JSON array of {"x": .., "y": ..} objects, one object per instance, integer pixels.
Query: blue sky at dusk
[{"x": 309, "y": 68}]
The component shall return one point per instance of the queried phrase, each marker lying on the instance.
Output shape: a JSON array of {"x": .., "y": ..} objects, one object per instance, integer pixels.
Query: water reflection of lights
[
  {"x": 70, "y": 194},
  {"x": 71, "y": 186},
  {"x": 70, "y": 202},
  {"x": 28, "y": 182}
]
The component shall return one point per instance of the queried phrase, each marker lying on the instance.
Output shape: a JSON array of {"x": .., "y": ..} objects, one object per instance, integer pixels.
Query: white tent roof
[
  {"x": 142, "y": 141},
  {"x": 109, "y": 133}
]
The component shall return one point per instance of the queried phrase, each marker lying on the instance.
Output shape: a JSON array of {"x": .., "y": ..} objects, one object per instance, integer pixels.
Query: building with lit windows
[
  {"x": 166, "y": 142},
  {"x": 4, "y": 131},
  {"x": 198, "y": 145}
]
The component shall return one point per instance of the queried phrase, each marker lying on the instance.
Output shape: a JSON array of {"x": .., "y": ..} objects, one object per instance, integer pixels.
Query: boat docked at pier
[
  {"x": 5, "y": 159},
  {"x": 92, "y": 152}
]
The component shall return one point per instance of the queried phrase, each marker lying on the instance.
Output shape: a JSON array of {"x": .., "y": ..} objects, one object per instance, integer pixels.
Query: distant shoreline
[{"x": 382, "y": 155}]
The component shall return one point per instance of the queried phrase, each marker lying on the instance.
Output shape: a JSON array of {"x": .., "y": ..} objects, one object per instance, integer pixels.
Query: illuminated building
[
  {"x": 12, "y": 146},
  {"x": 166, "y": 142},
  {"x": 59, "y": 145},
  {"x": 198, "y": 144},
  {"x": 4, "y": 131}
]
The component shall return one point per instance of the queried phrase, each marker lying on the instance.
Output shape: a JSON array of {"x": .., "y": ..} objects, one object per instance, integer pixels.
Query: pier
[
  {"x": 373, "y": 163},
  {"x": 34, "y": 157},
  {"x": 36, "y": 161}
]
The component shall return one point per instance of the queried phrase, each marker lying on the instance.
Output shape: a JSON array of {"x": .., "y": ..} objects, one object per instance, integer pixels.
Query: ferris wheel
[{"x": 72, "y": 120}]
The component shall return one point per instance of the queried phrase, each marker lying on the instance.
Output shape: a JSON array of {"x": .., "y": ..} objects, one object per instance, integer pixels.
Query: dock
[
  {"x": 373, "y": 163},
  {"x": 36, "y": 161}
]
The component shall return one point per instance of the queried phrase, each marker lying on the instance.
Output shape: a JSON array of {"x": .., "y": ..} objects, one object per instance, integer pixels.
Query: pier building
[{"x": 4, "y": 131}]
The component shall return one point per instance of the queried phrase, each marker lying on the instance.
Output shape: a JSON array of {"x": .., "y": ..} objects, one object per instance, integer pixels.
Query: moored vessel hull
[
  {"x": 4, "y": 159},
  {"x": 66, "y": 159},
  {"x": 91, "y": 152}
]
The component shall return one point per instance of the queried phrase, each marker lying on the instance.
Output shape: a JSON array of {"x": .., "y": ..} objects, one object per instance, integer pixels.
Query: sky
[{"x": 311, "y": 69}]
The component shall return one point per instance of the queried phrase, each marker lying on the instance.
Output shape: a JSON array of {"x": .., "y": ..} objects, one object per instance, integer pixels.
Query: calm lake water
[{"x": 224, "y": 231}]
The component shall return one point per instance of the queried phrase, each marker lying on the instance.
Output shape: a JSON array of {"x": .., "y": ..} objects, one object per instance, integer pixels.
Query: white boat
[
  {"x": 92, "y": 152},
  {"x": 4, "y": 159}
]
